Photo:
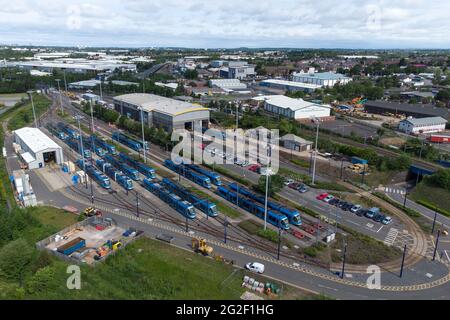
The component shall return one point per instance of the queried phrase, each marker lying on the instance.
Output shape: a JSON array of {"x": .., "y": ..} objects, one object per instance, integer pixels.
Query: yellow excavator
[{"x": 199, "y": 245}]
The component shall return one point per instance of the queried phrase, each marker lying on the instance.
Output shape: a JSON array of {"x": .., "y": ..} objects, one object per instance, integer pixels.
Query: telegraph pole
[
  {"x": 269, "y": 154},
  {"x": 137, "y": 203},
  {"x": 279, "y": 243},
  {"x": 315, "y": 152},
  {"x": 143, "y": 135},
  {"x": 403, "y": 261},
  {"x": 434, "y": 221},
  {"x": 343, "y": 260},
  {"x": 60, "y": 97},
  {"x": 82, "y": 147},
  {"x": 437, "y": 242},
  {"x": 225, "y": 229},
  {"x": 30, "y": 94}
]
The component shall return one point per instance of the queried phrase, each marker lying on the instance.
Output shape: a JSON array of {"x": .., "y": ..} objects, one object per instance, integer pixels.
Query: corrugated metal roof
[
  {"x": 426, "y": 121},
  {"x": 35, "y": 139},
  {"x": 150, "y": 102}
]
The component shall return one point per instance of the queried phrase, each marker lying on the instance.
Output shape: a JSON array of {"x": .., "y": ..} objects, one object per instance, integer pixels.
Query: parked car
[
  {"x": 322, "y": 196},
  {"x": 255, "y": 267},
  {"x": 254, "y": 168},
  {"x": 333, "y": 201},
  {"x": 372, "y": 212},
  {"x": 378, "y": 217},
  {"x": 339, "y": 203},
  {"x": 386, "y": 220},
  {"x": 355, "y": 208},
  {"x": 294, "y": 185},
  {"x": 361, "y": 212},
  {"x": 302, "y": 188},
  {"x": 288, "y": 182},
  {"x": 328, "y": 198},
  {"x": 342, "y": 204},
  {"x": 347, "y": 206}
]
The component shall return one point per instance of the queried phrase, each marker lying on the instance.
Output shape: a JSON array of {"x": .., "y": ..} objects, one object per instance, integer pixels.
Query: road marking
[
  {"x": 369, "y": 225},
  {"x": 380, "y": 229},
  {"x": 322, "y": 286},
  {"x": 391, "y": 236},
  {"x": 446, "y": 254},
  {"x": 352, "y": 222}
]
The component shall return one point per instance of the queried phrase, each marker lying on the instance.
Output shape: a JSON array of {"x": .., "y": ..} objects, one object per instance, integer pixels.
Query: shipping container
[{"x": 72, "y": 246}]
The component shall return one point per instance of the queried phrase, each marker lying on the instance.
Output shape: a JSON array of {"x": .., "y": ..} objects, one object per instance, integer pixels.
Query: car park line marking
[
  {"x": 391, "y": 237},
  {"x": 380, "y": 229},
  {"x": 353, "y": 222},
  {"x": 322, "y": 286},
  {"x": 446, "y": 254}
]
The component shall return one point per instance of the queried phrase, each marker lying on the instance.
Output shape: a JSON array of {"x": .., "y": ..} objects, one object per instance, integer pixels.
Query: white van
[{"x": 255, "y": 267}]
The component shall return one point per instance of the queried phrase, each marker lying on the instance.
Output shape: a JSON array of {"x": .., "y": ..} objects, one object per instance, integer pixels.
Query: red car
[
  {"x": 322, "y": 196},
  {"x": 254, "y": 168}
]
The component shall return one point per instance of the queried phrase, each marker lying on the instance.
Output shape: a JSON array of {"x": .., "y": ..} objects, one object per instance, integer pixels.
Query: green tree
[
  {"x": 275, "y": 184},
  {"x": 15, "y": 259}
]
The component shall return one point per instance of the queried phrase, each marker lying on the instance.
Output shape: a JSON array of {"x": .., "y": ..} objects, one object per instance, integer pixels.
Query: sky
[{"x": 368, "y": 24}]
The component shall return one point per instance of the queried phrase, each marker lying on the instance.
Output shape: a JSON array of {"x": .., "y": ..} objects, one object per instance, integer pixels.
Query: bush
[{"x": 268, "y": 234}]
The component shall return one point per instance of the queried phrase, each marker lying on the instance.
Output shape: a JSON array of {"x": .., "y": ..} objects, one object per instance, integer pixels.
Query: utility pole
[
  {"x": 317, "y": 121},
  {"x": 82, "y": 147},
  {"x": 65, "y": 82},
  {"x": 101, "y": 94},
  {"x": 434, "y": 221},
  {"x": 343, "y": 260},
  {"x": 30, "y": 94},
  {"x": 143, "y": 135},
  {"x": 92, "y": 117},
  {"x": 436, "y": 245},
  {"x": 60, "y": 97},
  {"x": 137, "y": 203},
  {"x": 403, "y": 261},
  {"x": 404, "y": 200},
  {"x": 269, "y": 154},
  {"x": 225, "y": 229},
  {"x": 279, "y": 243}
]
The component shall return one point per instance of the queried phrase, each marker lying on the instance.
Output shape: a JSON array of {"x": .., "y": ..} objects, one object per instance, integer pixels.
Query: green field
[
  {"x": 146, "y": 269},
  {"x": 23, "y": 116},
  {"x": 436, "y": 196}
]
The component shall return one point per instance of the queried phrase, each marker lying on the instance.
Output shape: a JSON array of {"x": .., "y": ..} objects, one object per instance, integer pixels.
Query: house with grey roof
[{"x": 422, "y": 125}]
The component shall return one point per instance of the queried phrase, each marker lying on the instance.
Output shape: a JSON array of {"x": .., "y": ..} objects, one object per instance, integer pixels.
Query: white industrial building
[
  {"x": 297, "y": 109},
  {"x": 37, "y": 148},
  {"x": 289, "y": 85},
  {"x": 162, "y": 112},
  {"x": 228, "y": 84},
  {"x": 422, "y": 125},
  {"x": 323, "y": 79}
]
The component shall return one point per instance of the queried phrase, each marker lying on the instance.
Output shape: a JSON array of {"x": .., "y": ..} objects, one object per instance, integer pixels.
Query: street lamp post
[
  {"x": 269, "y": 154},
  {"x": 343, "y": 260},
  {"x": 65, "y": 82},
  {"x": 30, "y": 94},
  {"x": 143, "y": 135},
  {"x": 279, "y": 243},
  {"x": 403, "y": 260},
  {"x": 436, "y": 245},
  {"x": 78, "y": 117},
  {"x": 60, "y": 97},
  {"x": 317, "y": 122}
]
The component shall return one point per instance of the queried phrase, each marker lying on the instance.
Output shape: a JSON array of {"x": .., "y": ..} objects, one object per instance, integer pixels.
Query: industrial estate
[{"x": 357, "y": 206}]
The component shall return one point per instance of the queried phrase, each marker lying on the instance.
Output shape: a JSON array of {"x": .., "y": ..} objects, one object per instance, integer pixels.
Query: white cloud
[{"x": 227, "y": 23}]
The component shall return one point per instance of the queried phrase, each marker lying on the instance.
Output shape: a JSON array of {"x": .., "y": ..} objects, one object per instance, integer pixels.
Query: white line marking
[
  {"x": 380, "y": 229},
  {"x": 448, "y": 258},
  {"x": 322, "y": 286}
]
